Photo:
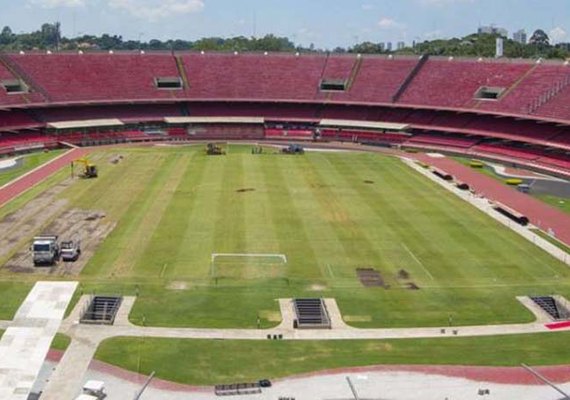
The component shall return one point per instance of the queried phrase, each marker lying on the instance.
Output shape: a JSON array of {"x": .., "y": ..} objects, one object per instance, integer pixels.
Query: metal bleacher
[
  {"x": 101, "y": 310},
  {"x": 551, "y": 306},
  {"x": 311, "y": 314}
]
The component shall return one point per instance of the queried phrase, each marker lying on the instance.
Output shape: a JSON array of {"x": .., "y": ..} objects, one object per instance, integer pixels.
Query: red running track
[
  {"x": 18, "y": 186},
  {"x": 557, "y": 374},
  {"x": 540, "y": 214}
]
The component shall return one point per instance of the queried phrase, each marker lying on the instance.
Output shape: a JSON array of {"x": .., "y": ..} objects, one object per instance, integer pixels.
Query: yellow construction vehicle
[{"x": 89, "y": 169}]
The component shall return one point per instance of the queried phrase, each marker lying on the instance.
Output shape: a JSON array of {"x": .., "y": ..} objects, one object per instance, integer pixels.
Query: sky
[{"x": 325, "y": 23}]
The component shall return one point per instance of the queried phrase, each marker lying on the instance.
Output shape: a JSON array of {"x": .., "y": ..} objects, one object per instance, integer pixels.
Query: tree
[
  {"x": 50, "y": 35},
  {"x": 540, "y": 39},
  {"x": 6, "y": 37}
]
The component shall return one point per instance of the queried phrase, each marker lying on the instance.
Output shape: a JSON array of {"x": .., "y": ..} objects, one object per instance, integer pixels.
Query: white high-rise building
[
  {"x": 401, "y": 45},
  {"x": 520, "y": 36}
]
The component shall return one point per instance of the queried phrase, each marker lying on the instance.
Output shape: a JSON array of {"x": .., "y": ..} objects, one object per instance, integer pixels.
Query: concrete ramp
[{"x": 25, "y": 344}]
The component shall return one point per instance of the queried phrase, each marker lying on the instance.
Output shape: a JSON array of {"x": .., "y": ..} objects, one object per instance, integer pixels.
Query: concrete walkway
[
  {"x": 66, "y": 381},
  {"x": 25, "y": 344}
]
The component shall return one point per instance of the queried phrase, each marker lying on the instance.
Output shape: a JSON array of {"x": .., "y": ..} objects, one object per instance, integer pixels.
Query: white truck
[{"x": 45, "y": 250}]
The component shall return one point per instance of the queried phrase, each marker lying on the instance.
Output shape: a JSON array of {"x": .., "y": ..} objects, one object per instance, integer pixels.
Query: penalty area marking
[{"x": 418, "y": 261}]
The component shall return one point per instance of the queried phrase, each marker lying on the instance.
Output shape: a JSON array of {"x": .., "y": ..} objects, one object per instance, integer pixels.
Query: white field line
[
  {"x": 418, "y": 261},
  {"x": 283, "y": 257},
  {"x": 330, "y": 271}
]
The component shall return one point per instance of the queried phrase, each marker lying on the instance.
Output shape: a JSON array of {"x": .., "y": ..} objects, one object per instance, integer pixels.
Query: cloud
[
  {"x": 56, "y": 3},
  {"x": 152, "y": 10},
  {"x": 389, "y": 23},
  {"x": 432, "y": 35},
  {"x": 558, "y": 35}
]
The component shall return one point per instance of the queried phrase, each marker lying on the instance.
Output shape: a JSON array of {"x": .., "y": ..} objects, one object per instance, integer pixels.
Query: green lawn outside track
[{"x": 208, "y": 362}]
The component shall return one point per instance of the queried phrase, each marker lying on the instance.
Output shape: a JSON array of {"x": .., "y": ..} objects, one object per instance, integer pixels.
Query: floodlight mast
[
  {"x": 544, "y": 380},
  {"x": 147, "y": 382}
]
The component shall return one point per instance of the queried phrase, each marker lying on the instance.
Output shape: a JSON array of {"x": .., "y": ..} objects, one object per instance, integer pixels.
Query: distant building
[
  {"x": 389, "y": 46},
  {"x": 401, "y": 45},
  {"x": 520, "y": 36},
  {"x": 495, "y": 30},
  {"x": 382, "y": 46}
]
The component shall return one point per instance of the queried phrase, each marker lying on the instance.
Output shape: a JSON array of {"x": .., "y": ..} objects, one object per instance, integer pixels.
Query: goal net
[{"x": 247, "y": 265}]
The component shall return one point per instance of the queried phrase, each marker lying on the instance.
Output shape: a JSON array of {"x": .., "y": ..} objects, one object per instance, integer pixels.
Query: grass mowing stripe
[
  {"x": 212, "y": 362},
  {"x": 229, "y": 230},
  {"x": 130, "y": 198},
  {"x": 259, "y": 225},
  {"x": 377, "y": 199},
  {"x": 286, "y": 216},
  {"x": 142, "y": 226},
  {"x": 168, "y": 239},
  {"x": 357, "y": 246}
]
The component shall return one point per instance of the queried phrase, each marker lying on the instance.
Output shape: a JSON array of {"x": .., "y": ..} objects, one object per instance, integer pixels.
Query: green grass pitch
[{"x": 328, "y": 213}]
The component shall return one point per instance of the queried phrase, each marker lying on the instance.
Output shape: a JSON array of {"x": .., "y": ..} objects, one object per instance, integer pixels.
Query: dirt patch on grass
[
  {"x": 271, "y": 316},
  {"x": 403, "y": 274},
  {"x": 369, "y": 277},
  {"x": 357, "y": 318},
  {"x": 177, "y": 285},
  {"x": 369, "y": 182},
  {"x": 116, "y": 159},
  {"x": 245, "y": 190},
  {"x": 17, "y": 228},
  {"x": 317, "y": 288},
  {"x": 86, "y": 225},
  {"x": 412, "y": 286}
]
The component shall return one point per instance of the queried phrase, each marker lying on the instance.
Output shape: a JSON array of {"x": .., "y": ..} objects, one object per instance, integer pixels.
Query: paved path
[
  {"x": 68, "y": 377},
  {"x": 25, "y": 344},
  {"x": 25, "y": 182}
]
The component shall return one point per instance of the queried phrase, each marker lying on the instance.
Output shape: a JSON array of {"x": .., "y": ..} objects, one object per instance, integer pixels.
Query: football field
[{"x": 213, "y": 241}]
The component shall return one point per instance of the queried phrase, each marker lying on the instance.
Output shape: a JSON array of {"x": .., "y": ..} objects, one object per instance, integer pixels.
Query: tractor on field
[
  {"x": 212, "y": 149},
  {"x": 89, "y": 169},
  {"x": 293, "y": 149}
]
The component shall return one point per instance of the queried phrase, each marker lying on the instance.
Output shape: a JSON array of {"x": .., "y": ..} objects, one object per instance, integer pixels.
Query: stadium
[{"x": 296, "y": 218}]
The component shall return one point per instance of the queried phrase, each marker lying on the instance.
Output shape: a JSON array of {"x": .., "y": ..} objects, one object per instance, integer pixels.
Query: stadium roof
[
  {"x": 88, "y": 123},
  {"x": 214, "y": 120},
  {"x": 341, "y": 123}
]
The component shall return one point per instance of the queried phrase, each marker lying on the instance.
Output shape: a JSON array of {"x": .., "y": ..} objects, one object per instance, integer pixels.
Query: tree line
[{"x": 49, "y": 37}]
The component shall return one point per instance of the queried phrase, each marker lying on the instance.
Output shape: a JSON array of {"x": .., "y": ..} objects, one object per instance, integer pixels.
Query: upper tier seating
[
  {"x": 558, "y": 106},
  {"x": 538, "y": 81},
  {"x": 88, "y": 77},
  {"x": 377, "y": 79},
  {"x": 339, "y": 68},
  {"x": 253, "y": 76},
  {"x": 7, "y": 99},
  {"x": 446, "y": 83}
]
